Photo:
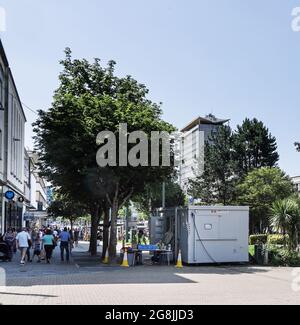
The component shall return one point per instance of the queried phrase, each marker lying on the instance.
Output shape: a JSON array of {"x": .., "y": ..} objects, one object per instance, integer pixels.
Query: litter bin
[{"x": 259, "y": 254}]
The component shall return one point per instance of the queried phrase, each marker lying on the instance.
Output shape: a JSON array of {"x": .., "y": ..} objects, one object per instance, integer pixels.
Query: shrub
[
  {"x": 277, "y": 239},
  {"x": 258, "y": 239},
  {"x": 283, "y": 257}
]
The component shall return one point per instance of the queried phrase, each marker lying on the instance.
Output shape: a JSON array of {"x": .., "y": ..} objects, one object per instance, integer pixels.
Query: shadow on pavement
[
  {"x": 86, "y": 270},
  {"x": 27, "y": 294}
]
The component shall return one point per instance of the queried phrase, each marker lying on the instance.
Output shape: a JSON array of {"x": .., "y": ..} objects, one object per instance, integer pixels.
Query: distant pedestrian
[
  {"x": 23, "y": 240},
  {"x": 15, "y": 242},
  {"x": 65, "y": 239},
  {"x": 29, "y": 246},
  {"x": 71, "y": 242},
  {"x": 76, "y": 237},
  {"x": 37, "y": 248},
  {"x": 9, "y": 238},
  {"x": 48, "y": 241}
]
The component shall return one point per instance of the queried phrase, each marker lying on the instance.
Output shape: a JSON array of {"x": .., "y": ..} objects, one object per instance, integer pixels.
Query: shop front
[
  {"x": 12, "y": 209},
  {"x": 1, "y": 209},
  {"x": 13, "y": 215}
]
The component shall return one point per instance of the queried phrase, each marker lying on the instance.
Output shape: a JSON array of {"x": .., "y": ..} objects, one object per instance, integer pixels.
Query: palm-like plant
[{"x": 285, "y": 218}]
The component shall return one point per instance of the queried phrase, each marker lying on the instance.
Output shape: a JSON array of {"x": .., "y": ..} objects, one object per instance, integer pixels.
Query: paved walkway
[{"x": 86, "y": 281}]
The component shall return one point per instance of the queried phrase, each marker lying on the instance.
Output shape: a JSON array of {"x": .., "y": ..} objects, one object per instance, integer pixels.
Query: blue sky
[{"x": 233, "y": 58}]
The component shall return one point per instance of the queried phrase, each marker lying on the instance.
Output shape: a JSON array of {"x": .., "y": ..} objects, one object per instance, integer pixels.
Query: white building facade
[
  {"x": 12, "y": 125},
  {"x": 37, "y": 201},
  {"x": 193, "y": 139}
]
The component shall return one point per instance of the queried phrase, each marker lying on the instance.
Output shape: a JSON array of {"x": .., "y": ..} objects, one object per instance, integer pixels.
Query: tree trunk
[
  {"x": 105, "y": 231},
  {"x": 113, "y": 231},
  {"x": 95, "y": 219}
]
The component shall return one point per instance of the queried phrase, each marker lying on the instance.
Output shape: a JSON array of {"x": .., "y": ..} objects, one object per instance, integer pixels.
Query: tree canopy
[
  {"x": 217, "y": 183},
  {"x": 91, "y": 99},
  {"x": 254, "y": 146},
  {"x": 260, "y": 189}
]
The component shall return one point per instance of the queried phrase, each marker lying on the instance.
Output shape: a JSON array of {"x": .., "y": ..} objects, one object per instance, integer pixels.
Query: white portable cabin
[{"x": 213, "y": 234}]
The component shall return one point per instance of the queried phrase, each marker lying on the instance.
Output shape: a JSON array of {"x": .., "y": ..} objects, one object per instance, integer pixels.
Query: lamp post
[{"x": 163, "y": 195}]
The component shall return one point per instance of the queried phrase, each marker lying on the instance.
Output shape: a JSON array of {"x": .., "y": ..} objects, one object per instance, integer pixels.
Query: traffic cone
[
  {"x": 106, "y": 258},
  {"x": 125, "y": 259},
  {"x": 179, "y": 261}
]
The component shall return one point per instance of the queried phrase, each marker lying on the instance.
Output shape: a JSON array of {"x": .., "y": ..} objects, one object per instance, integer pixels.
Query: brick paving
[{"x": 62, "y": 283}]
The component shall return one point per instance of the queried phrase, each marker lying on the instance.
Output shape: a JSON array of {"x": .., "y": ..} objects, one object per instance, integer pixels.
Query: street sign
[
  {"x": 132, "y": 224},
  {"x": 28, "y": 216},
  {"x": 9, "y": 195}
]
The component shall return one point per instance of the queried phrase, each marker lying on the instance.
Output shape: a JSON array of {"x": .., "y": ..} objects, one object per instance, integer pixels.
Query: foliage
[
  {"x": 91, "y": 99},
  {"x": 254, "y": 147},
  {"x": 285, "y": 218},
  {"x": 297, "y": 145},
  {"x": 260, "y": 189},
  {"x": 151, "y": 198},
  {"x": 63, "y": 206},
  {"x": 252, "y": 250},
  {"x": 217, "y": 183},
  {"x": 277, "y": 239},
  {"x": 283, "y": 257},
  {"x": 259, "y": 239}
]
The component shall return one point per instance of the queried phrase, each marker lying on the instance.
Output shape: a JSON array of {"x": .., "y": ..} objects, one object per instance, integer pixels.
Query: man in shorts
[{"x": 23, "y": 239}]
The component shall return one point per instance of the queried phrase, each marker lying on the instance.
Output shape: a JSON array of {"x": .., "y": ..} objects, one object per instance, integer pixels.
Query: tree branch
[
  {"x": 126, "y": 197},
  {"x": 108, "y": 199}
]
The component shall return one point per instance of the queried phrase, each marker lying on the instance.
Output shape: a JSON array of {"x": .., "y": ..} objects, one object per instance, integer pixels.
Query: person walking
[
  {"x": 23, "y": 239},
  {"x": 48, "y": 241},
  {"x": 15, "y": 242},
  {"x": 9, "y": 238},
  {"x": 37, "y": 248},
  {"x": 29, "y": 246},
  {"x": 76, "y": 237},
  {"x": 71, "y": 242},
  {"x": 65, "y": 240}
]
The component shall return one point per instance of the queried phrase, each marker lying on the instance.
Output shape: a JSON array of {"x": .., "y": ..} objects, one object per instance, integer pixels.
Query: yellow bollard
[
  {"x": 179, "y": 261},
  {"x": 125, "y": 259},
  {"x": 106, "y": 258}
]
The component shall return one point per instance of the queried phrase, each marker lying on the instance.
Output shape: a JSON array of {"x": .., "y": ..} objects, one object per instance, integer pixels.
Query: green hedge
[
  {"x": 277, "y": 239},
  {"x": 258, "y": 239}
]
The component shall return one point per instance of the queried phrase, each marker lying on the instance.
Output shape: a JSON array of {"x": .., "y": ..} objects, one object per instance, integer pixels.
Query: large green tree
[
  {"x": 260, "y": 189},
  {"x": 91, "y": 99},
  {"x": 254, "y": 146},
  {"x": 217, "y": 183}
]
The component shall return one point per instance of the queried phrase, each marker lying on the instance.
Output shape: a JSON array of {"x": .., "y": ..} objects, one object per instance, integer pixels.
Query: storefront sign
[{"x": 9, "y": 195}]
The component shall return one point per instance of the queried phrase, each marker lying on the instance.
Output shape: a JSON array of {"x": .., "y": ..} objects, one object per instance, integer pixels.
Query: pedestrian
[
  {"x": 23, "y": 239},
  {"x": 15, "y": 242},
  {"x": 29, "y": 246},
  {"x": 48, "y": 241},
  {"x": 65, "y": 239},
  {"x": 9, "y": 238},
  {"x": 141, "y": 238},
  {"x": 76, "y": 237},
  {"x": 71, "y": 242},
  {"x": 37, "y": 248}
]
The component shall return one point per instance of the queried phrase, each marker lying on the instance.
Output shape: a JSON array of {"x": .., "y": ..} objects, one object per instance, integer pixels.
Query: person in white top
[{"x": 23, "y": 239}]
